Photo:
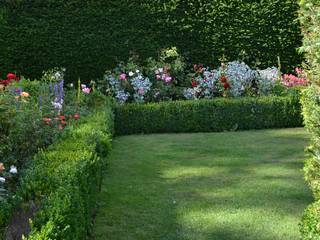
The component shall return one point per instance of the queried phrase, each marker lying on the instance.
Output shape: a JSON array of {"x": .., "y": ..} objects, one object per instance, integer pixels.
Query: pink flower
[
  {"x": 86, "y": 90},
  {"x": 83, "y": 86},
  {"x": 298, "y": 71},
  {"x": 123, "y": 76},
  {"x": 158, "y": 77},
  {"x": 141, "y": 91},
  {"x": 290, "y": 80},
  {"x": 168, "y": 79}
]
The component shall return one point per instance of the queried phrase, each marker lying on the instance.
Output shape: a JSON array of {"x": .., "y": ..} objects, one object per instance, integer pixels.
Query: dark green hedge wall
[
  {"x": 208, "y": 115},
  {"x": 88, "y": 36}
]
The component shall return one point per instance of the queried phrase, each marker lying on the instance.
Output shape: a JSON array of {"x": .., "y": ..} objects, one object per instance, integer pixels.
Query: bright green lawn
[{"x": 223, "y": 186}]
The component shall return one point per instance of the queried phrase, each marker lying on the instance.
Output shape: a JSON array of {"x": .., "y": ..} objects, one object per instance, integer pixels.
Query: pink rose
[
  {"x": 86, "y": 90},
  {"x": 123, "y": 76},
  {"x": 141, "y": 91},
  {"x": 168, "y": 79},
  {"x": 298, "y": 70}
]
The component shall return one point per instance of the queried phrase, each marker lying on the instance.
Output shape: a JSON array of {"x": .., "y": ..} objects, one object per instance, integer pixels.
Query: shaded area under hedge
[{"x": 208, "y": 115}]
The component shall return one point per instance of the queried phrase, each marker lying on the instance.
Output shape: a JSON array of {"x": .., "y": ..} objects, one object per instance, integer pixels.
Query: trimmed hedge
[
  {"x": 215, "y": 115},
  {"x": 310, "y": 19},
  {"x": 88, "y": 36},
  {"x": 65, "y": 179},
  {"x": 310, "y": 223}
]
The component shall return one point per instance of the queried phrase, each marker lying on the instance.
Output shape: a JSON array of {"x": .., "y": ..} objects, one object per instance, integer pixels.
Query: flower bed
[
  {"x": 220, "y": 114},
  {"x": 34, "y": 115},
  {"x": 168, "y": 78}
]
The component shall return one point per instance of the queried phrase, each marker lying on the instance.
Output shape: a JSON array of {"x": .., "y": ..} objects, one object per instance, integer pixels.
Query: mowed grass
[{"x": 216, "y": 186}]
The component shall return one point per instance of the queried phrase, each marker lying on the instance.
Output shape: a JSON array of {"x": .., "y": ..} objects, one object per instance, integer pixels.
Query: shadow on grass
[{"x": 228, "y": 186}]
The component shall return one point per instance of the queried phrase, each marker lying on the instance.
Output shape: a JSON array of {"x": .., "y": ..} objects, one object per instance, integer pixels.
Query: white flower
[
  {"x": 71, "y": 85},
  {"x": 131, "y": 74},
  {"x": 2, "y": 180},
  {"x": 161, "y": 70},
  {"x": 157, "y": 72},
  {"x": 137, "y": 71},
  {"x": 13, "y": 170}
]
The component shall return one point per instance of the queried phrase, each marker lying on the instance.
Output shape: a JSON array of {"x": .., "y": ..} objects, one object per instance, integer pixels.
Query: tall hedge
[
  {"x": 310, "y": 19},
  {"x": 88, "y": 36}
]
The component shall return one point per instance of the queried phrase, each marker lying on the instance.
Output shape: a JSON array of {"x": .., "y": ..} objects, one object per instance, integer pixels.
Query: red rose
[
  {"x": 11, "y": 76},
  {"x": 194, "y": 83},
  {"x": 62, "y": 118},
  {"x": 47, "y": 120},
  {"x": 226, "y": 86},
  {"x": 5, "y": 82},
  {"x": 76, "y": 116},
  {"x": 223, "y": 79}
]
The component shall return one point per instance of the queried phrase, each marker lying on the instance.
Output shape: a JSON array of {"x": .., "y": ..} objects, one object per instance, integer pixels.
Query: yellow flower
[{"x": 24, "y": 94}]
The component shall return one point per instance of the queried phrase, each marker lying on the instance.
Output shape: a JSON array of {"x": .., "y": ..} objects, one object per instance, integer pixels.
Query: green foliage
[
  {"x": 87, "y": 36},
  {"x": 220, "y": 114},
  {"x": 310, "y": 20},
  {"x": 311, "y": 111},
  {"x": 66, "y": 177}
]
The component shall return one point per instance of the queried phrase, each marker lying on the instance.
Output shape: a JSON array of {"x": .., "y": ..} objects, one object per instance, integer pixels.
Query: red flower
[
  {"x": 194, "y": 83},
  {"x": 18, "y": 79},
  {"x": 226, "y": 85},
  {"x": 62, "y": 118},
  {"x": 223, "y": 79},
  {"x": 11, "y": 76},
  {"x": 63, "y": 122},
  {"x": 47, "y": 120},
  {"x": 76, "y": 116},
  {"x": 5, "y": 82}
]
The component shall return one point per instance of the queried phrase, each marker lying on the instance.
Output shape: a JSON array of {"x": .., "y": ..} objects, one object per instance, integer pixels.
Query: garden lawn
[{"x": 223, "y": 186}]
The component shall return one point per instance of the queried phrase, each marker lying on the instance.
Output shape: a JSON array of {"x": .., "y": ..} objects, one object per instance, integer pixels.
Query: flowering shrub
[
  {"x": 6, "y": 179},
  {"x": 231, "y": 79},
  {"x": 290, "y": 80},
  {"x": 168, "y": 79},
  {"x": 11, "y": 77},
  {"x": 127, "y": 85}
]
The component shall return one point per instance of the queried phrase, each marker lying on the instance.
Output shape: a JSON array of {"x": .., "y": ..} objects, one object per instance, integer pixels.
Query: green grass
[{"x": 219, "y": 186}]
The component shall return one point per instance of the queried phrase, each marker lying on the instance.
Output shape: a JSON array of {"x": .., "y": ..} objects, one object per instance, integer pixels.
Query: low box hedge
[
  {"x": 215, "y": 115},
  {"x": 64, "y": 179}
]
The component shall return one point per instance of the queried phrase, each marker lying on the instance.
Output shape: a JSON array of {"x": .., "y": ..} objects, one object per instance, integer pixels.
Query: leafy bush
[
  {"x": 221, "y": 114},
  {"x": 310, "y": 20},
  {"x": 87, "y": 36}
]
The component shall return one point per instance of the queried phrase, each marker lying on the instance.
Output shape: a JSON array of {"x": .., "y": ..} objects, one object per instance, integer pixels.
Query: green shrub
[
  {"x": 65, "y": 178},
  {"x": 310, "y": 19},
  {"x": 220, "y": 114},
  {"x": 88, "y": 36}
]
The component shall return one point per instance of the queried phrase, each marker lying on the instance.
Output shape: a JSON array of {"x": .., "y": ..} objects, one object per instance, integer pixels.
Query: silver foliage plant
[{"x": 240, "y": 77}]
